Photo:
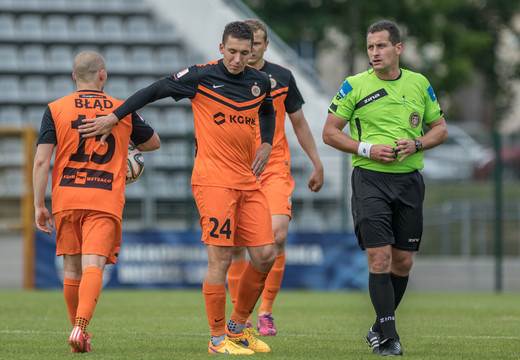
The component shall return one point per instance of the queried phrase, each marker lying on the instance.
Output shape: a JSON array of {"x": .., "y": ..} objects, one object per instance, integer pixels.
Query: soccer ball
[{"x": 134, "y": 164}]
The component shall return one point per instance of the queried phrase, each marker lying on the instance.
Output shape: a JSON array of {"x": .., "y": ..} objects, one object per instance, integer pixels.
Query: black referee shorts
[{"x": 387, "y": 209}]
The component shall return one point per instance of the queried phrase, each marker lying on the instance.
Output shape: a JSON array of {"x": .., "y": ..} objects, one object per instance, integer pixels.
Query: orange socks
[
  {"x": 249, "y": 289},
  {"x": 70, "y": 292},
  {"x": 233, "y": 276},
  {"x": 215, "y": 298},
  {"x": 272, "y": 285},
  {"x": 89, "y": 291}
]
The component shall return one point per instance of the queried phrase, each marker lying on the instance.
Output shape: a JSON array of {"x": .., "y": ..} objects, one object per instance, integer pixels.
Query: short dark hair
[
  {"x": 393, "y": 31},
  {"x": 238, "y": 30}
]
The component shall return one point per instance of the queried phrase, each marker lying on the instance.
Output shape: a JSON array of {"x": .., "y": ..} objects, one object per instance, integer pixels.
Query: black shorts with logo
[{"x": 387, "y": 208}]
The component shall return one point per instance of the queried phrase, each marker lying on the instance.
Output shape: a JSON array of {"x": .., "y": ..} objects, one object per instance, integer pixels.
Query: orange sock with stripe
[
  {"x": 70, "y": 292},
  {"x": 89, "y": 291},
  {"x": 249, "y": 289},
  {"x": 272, "y": 285},
  {"x": 215, "y": 299},
  {"x": 233, "y": 276}
]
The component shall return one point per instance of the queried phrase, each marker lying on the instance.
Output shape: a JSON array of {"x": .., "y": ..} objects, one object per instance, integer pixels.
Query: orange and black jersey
[
  {"x": 227, "y": 111},
  {"x": 87, "y": 175},
  {"x": 286, "y": 99}
]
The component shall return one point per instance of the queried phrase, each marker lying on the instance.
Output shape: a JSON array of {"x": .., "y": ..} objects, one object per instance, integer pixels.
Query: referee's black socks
[{"x": 383, "y": 299}]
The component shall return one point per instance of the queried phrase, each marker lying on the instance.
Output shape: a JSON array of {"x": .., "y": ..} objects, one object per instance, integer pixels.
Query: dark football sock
[
  {"x": 383, "y": 299},
  {"x": 399, "y": 283}
]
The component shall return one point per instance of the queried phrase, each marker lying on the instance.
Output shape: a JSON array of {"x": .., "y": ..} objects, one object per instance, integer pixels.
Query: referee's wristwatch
[{"x": 418, "y": 145}]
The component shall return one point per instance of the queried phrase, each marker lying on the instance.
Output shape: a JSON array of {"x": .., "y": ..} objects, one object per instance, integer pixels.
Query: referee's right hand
[{"x": 382, "y": 153}]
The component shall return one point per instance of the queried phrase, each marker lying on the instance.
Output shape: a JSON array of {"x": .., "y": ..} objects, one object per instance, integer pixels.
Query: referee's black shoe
[
  {"x": 389, "y": 347},
  {"x": 374, "y": 339}
]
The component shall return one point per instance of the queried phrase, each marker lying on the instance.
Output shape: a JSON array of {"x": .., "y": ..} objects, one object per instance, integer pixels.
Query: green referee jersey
[{"x": 380, "y": 112}]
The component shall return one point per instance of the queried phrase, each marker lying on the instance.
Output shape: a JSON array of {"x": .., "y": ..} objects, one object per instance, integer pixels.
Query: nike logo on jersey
[
  {"x": 219, "y": 320},
  {"x": 217, "y": 86}
]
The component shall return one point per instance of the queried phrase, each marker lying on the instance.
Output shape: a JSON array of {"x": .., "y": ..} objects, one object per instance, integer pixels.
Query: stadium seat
[
  {"x": 164, "y": 30},
  {"x": 79, "y": 5},
  {"x": 179, "y": 185},
  {"x": 29, "y": 27},
  {"x": 32, "y": 57},
  {"x": 56, "y": 27},
  {"x": 59, "y": 58},
  {"x": 152, "y": 115},
  {"x": 52, "y": 5},
  {"x": 116, "y": 58},
  {"x": 60, "y": 86},
  {"x": 25, "y": 4},
  {"x": 169, "y": 60},
  {"x": 6, "y": 4},
  {"x": 9, "y": 57},
  {"x": 34, "y": 89},
  {"x": 118, "y": 87},
  {"x": 142, "y": 59},
  {"x": 9, "y": 88},
  {"x": 111, "y": 27},
  {"x": 32, "y": 115},
  {"x": 160, "y": 182},
  {"x": 110, "y": 5},
  {"x": 175, "y": 121},
  {"x": 84, "y": 28},
  {"x": 7, "y": 27},
  {"x": 11, "y": 116},
  {"x": 136, "y": 5},
  {"x": 138, "y": 28}
]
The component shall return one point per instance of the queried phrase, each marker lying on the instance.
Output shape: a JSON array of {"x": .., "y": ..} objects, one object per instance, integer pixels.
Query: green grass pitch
[{"x": 171, "y": 324}]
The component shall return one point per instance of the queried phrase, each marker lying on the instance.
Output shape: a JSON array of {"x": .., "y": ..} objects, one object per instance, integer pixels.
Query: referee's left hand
[{"x": 405, "y": 148}]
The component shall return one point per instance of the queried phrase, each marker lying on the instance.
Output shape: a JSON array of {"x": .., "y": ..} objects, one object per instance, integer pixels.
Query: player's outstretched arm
[
  {"x": 306, "y": 140},
  {"x": 151, "y": 144}
]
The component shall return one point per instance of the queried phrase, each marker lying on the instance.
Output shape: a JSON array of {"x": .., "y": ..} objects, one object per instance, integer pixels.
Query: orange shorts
[
  {"x": 278, "y": 188},
  {"x": 88, "y": 232},
  {"x": 230, "y": 217}
]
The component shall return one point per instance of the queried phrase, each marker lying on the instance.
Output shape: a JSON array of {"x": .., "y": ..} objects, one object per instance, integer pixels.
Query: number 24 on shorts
[{"x": 225, "y": 229}]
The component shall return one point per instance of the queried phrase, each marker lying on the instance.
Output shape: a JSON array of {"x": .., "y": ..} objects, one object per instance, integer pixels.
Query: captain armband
[{"x": 364, "y": 149}]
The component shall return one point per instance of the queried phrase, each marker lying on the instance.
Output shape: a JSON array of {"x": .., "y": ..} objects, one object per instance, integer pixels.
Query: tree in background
[{"x": 457, "y": 42}]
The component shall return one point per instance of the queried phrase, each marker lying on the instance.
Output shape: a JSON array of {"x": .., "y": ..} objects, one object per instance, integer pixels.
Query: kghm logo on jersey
[
  {"x": 255, "y": 90},
  {"x": 415, "y": 119},
  {"x": 220, "y": 118}
]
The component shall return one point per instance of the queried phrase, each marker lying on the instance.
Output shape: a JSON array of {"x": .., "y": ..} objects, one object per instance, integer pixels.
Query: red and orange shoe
[
  {"x": 266, "y": 325},
  {"x": 79, "y": 342}
]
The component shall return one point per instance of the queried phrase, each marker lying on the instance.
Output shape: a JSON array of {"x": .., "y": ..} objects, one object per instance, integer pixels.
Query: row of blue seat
[
  {"x": 121, "y": 6},
  {"x": 121, "y": 59},
  {"x": 83, "y": 27}
]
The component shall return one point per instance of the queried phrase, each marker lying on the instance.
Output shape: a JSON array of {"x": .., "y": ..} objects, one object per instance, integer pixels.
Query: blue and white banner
[{"x": 325, "y": 261}]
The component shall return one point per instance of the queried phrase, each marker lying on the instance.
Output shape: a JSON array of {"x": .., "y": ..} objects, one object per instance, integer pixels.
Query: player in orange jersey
[
  {"x": 88, "y": 184},
  {"x": 277, "y": 182},
  {"x": 231, "y": 102}
]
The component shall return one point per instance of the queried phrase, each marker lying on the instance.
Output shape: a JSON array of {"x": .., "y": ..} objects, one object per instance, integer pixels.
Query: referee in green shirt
[{"x": 386, "y": 107}]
